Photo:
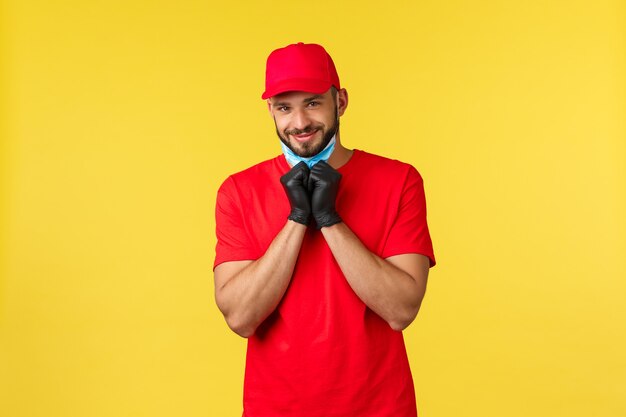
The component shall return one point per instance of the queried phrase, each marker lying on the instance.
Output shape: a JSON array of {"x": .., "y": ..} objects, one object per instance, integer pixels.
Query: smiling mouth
[{"x": 305, "y": 136}]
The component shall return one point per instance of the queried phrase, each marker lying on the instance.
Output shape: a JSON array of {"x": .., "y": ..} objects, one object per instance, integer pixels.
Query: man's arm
[
  {"x": 393, "y": 288},
  {"x": 247, "y": 292}
]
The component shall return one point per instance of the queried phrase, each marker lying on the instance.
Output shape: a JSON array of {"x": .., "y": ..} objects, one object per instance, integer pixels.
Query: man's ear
[
  {"x": 342, "y": 98},
  {"x": 269, "y": 106}
]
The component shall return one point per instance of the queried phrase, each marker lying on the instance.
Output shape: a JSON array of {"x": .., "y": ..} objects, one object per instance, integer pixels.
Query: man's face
[{"x": 305, "y": 122}]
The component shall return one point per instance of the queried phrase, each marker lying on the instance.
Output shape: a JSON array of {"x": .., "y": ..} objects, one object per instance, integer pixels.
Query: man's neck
[{"x": 340, "y": 156}]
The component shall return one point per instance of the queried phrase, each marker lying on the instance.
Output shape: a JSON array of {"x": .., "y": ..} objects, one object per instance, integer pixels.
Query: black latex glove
[
  {"x": 323, "y": 186},
  {"x": 295, "y": 183}
]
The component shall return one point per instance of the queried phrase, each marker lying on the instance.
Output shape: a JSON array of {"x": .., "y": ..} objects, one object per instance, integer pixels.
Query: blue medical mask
[{"x": 294, "y": 159}]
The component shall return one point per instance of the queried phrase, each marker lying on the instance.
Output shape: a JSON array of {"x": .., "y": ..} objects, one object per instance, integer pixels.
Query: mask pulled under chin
[{"x": 294, "y": 159}]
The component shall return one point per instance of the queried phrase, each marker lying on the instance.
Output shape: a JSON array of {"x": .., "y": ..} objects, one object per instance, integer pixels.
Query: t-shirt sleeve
[
  {"x": 409, "y": 233},
  {"x": 233, "y": 242}
]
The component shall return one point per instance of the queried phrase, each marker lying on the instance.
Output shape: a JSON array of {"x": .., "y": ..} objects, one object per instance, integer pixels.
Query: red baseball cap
[{"x": 299, "y": 67}]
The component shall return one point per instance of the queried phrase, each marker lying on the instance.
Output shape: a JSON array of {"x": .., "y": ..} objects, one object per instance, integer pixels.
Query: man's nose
[{"x": 300, "y": 120}]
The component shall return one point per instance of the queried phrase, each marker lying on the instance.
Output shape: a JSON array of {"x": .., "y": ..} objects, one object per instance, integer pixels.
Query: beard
[{"x": 308, "y": 150}]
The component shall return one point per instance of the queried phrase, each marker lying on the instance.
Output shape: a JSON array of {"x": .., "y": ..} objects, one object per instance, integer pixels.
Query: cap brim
[{"x": 297, "y": 84}]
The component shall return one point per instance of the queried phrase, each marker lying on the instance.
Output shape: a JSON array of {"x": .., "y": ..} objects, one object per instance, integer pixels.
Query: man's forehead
[{"x": 295, "y": 96}]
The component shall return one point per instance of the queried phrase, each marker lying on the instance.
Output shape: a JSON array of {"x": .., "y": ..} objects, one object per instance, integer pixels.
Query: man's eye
[
  {"x": 313, "y": 103},
  {"x": 283, "y": 108}
]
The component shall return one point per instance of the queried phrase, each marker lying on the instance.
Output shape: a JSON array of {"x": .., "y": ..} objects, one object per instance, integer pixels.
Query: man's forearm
[
  {"x": 252, "y": 293},
  {"x": 387, "y": 290}
]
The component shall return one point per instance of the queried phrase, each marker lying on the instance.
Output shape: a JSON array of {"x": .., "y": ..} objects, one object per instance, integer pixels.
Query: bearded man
[{"x": 322, "y": 257}]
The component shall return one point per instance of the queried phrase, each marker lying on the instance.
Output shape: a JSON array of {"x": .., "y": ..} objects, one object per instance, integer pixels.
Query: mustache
[{"x": 306, "y": 130}]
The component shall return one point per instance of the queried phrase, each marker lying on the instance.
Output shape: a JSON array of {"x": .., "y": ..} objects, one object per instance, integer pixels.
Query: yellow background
[{"x": 121, "y": 118}]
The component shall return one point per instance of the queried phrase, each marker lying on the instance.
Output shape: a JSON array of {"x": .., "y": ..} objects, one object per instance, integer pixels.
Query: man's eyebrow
[
  {"x": 315, "y": 97},
  {"x": 306, "y": 100}
]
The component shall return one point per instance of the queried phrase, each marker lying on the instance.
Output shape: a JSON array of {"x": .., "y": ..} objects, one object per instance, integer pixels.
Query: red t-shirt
[{"x": 323, "y": 352}]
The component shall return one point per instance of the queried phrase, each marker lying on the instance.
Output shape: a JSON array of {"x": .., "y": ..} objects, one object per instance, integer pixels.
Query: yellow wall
[{"x": 121, "y": 118}]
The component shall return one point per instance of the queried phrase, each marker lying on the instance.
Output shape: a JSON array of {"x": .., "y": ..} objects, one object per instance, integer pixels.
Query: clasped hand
[{"x": 312, "y": 193}]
